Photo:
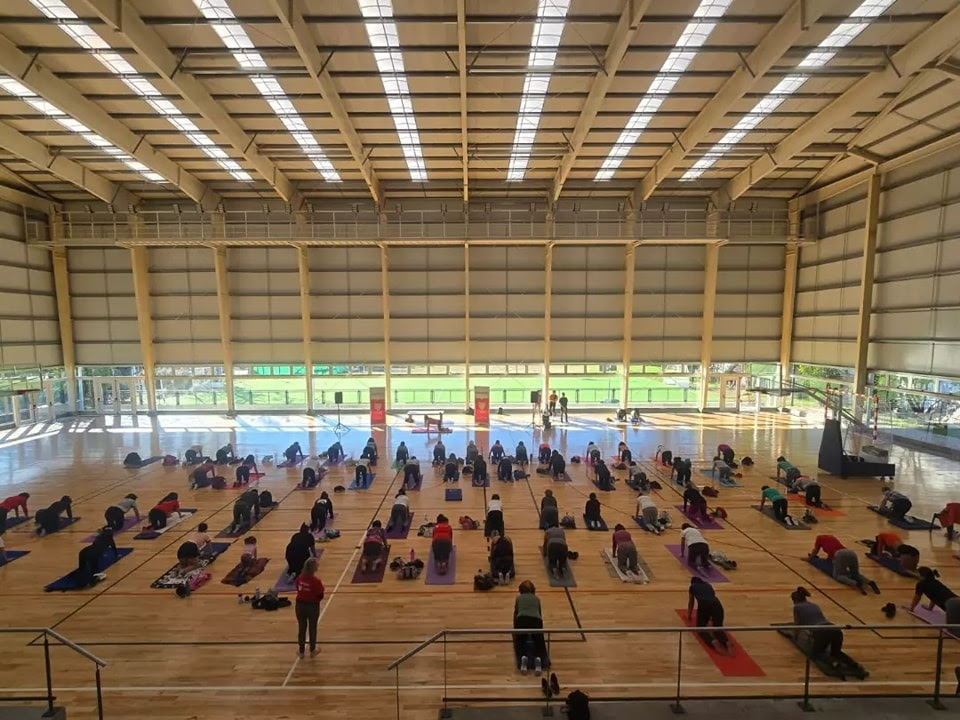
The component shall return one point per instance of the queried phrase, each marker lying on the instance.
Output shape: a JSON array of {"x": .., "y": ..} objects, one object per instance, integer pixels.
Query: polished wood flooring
[{"x": 207, "y": 656}]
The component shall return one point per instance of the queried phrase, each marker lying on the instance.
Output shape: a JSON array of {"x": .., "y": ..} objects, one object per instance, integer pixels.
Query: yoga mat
[
  {"x": 567, "y": 581},
  {"x": 453, "y": 494},
  {"x": 565, "y": 477},
  {"x": 64, "y": 522},
  {"x": 729, "y": 483},
  {"x": 910, "y": 523},
  {"x": 611, "y": 562},
  {"x": 372, "y": 577},
  {"x": 285, "y": 583},
  {"x": 128, "y": 523},
  {"x": 144, "y": 463},
  {"x": 401, "y": 533},
  {"x": 353, "y": 485},
  {"x": 415, "y": 487},
  {"x": 14, "y": 555},
  {"x": 172, "y": 578},
  {"x": 850, "y": 667},
  {"x": 226, "y": 531},
  {"x": 14, "y": 521},
  {"x": 700, "y": 524},
  {"x": 597, "y": 486},
  {"x": 529, "y": 651},
  {"x": 603, "y": 525},
  {"x": 824, "y": 565},
  {"x": 435, "y": 578},
  {"x": 291, "y": 463},
  {"x": 485, "y": 483},
  {"x": 740, "y": 664},
  {"x": 936, "y": 616},
  {"x": 713, "y": 574},
  {"x": 768, "y": 511},
  {"x": 890, "y": 563},
  {"x": 231, "y": 577},
  {"x": 149, "y": 534},
  {"x": 70, "y": 582}
]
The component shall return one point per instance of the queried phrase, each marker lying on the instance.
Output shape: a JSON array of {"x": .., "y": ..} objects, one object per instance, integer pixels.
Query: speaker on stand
[
  {"x": 339, "y": 428},
  {"x": 534, "y": 405}
]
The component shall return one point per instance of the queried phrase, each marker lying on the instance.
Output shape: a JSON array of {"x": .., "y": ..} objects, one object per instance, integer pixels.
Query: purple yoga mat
[
  {"x": 700, "y": 524},
  {"x": 285, "y": 583},
  {"x": 401, "y": 533},
  {"x": 373, "y": 577},
  {"x": 563, "y": 478},
  {"x": 128, "y": 523},
  {"x": 713, "y": 575},
  {"x": 932, "y": 617},
  {"x": 434, "y": 578}
]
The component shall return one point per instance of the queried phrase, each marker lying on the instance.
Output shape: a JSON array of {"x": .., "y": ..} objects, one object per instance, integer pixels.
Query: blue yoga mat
[
  {"x": 14, "y": 555},
  {"x": 354, "y": 486},
  {"x": 453, "y": 494},
  {"x": 908, "y": 523},
  {"x": 14, "y": 521},
  {"x": 69, "y": 581}
]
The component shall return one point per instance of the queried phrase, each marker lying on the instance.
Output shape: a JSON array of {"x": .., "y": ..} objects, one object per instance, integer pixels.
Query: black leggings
[
  {"x": 813, "y": 495},
  {"x": 557, "y": 557},
  {"x": 309, "y": 478},
  {"x": 698, "y": 551},
  {"x": 308, "y": 614},
  {"x": 780, "y": 509},
  {"x": 243, "y": 474},
  {"x": 900, "y": 507},
  {"x": 710, "y": 612},
  {"x": 88, "y": 564},
  {"x": 828, "y": 638},
  {"x": 157, "y": 518},
  {"x": 114, "y": 517},
  {"x": 318, "y": 517},
  {"x": 536, "y": 638},
  {"x": 494, "y": 522}
]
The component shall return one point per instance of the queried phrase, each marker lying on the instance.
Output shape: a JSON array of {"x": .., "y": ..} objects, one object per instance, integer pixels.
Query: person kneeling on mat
[
  {"x": 604, "y": 476},
  {"x": 528, "y": 615},
  {"x": 892, "y": 545},
  {"x": 88, "y": 559},
  {"x": 48, "y": 518},
  {"x": 520, "y": 455},
  {"x": 451, "y": 471},
  {"x": 625, "y": 454},
  {"x": 160, "y": 513},
  {"x": 497, "y": 452},
  {"x": 242, "y": 510},
  {"x": 778, "y": 502},
  {"x": 293, "y": 453},
  {"x": 544, "y": 454},
  {"x": 549, "y": 511},
  {"x": 115, "y": 514},
  {"x": 201, "y": 538},
  {"x": 721, "y": 470},
  {"x": 202, "y": 476},
  {"x": 335, "y": 453},
  {"x": 894, "y": 505},
  {"x": 624, "y": 550},
  {"x": 709, "y": 612},
  {"x": 494, "y": 521},
  {"x": 791, "y": 473},
  {"x": 593, "y": 454},
  {"x": 370, "y": 451},
  {"x": 501, "y": 558},
  {"x": 15, "y": 503},
  {"x": 225, "y": 455},
  {"x": 480, "y": 477},
  {"x": 591, "y": 512},
  {"x": 374, "y": 546},
  {"x": 638, "y": 480},
  {"x": 846, "y": 563},
  {"x": 948, "y": 517},
  {"x": 505, "y": 470},
  {"x": 555, "y": 550},
  {"x": 471, "y": 454},
  {"x": 810, "y": 489},
  {"x": 242, "y": 473},
  {"x": 194, "y": 456},
  {"x": 442, "y": 544},
  {"x": 697, "y": 503},
  {"x": 693, "y": 544},
  {"x": 400, "y": 512},
  {"x": 302, "y": 547},
  {"x": 939, "y": 594},
  {"x": 321, "y": 511},
  {"x": 361, "y": 474},
  {"x": 726, "y": 452},
  {"x": 683, "y": 469},
  {"x": 439, "y": 453},
  {"x": 188, "y": 557},
  {"x": 648, "y": 511},
  {"x": 558, "y": 466},
  {"x": 411, "y": 474},
  {"x": 311, "y": 476},
  {"x": 827, "y": 637}
]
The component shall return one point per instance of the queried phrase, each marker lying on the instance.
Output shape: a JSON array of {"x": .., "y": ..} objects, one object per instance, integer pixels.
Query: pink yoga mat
[
  {"x": 128, "y": 522},
  {"x": 931, "y": 617},
  {"x": 373, "y": 577},
  {"x": 713, "y": 575},
  {"x": 435, "y": 578},
  {"x": 711, "y": 524}
]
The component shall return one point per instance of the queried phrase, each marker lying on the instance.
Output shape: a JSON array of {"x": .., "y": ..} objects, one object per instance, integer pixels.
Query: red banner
[
  {"x": 378, "y": 406},
  {"x": 481, "y": 405}
]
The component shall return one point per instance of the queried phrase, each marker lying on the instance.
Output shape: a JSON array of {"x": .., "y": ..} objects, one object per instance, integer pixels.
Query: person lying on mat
[
  {"x": 321, "y": 511},
  {"x": 201, "y": 538},
  {"x": 520, "y": 456},
  {"x": 302, "y": 547},
  {"x": 88, "y": 559},
  {"x": 293, "y": 453},
  {"x": 939, "y": 595},
  {"x": 202, "y": 476},
  {"x": 555, "y": 550},
  {"x": 115, "y": 514},
  {"x": 558, "y": 466},
  {"x": 709, "y": 612},
  {"x": 439, "y": 453},
  {"x": 726, "y": 452},
  {"x": 370, "y": 451},
  {"x": 693, "y": 544},
  {"x": 948, "y": 517},
  {"x": 544, "y": 454},
  {"x": 827, "y": 637},
  {"x": 528, "y": 615},
  {"x": 497, "y": 452},
  {"x": 480, "y": 476},
  {"x": 894, "y": 504},
  {"x": 696, "y": 502},
  {"x": 777, "y": 501},
  {"x": 442, "y": 544},
  {"x": 501, "y": 558},
  {"x": 891, "y": 545},
  {"x": 400, "y": 512},
  {"x": 15, "y": 503},
  {"x": 374, "y": 545},
  {"x": 161, "y": 512},
  {"x": 591, "y": 512},
  {"x": 721, "y": 470},
  {"x": 225, "y": 455},
  {"x": 411, "y": 473},
  {"x": 648, "y": 511},
  {"x": 188, "y": 557},
  {"x": 549, "y": 511},
  {"x": 494, "y": 521},
  {"x": 604, "y": 476},
  {"x": 451, "y": 471},
  {"x": 48, "y": 519},
  {"x": 472, "y": 453},
  {"x": 624, "y": 550},
  {"x": 846, "y": 563}
]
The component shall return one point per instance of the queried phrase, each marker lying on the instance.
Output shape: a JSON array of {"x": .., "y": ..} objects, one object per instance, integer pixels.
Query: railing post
[
  {"x": 46, "y": 665},
  {"x": 99, "y": 694},
  {"x": 397, "y": 668},
  {"x": 677, "y": 708},
  {"x": 445, "y": 711},
  {"x": 547, "y": 710},
  {"x": 805, "y": 703},
  {"x": 935, "y": 702}
]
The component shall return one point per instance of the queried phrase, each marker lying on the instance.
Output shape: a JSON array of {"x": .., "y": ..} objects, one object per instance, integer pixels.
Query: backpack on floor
[
  {"x": 219, "y": 483},
  {"x": 331, "y": 533},
  {"x": 578, "y": 706},
  {"x": 133, "y": 459},
  {"x": 426, "y": 530},
  {"x": 520, "y": 475},
  {"x": 575, "y": 460},
  {"x": 809, "y": 517},
  {"x": 169, "y": 460},
  {"x": 483, "y": 581},
  {"x": 468, "y": 523},
  {"x": 339, "y": 489},
  {"x": 664, "y": 520},
  {"x": 719, "y": 513},
  {"x": 266, "y": 499},
  {"x": 568, "y": 522},
  {"x": 654, "y": 485},
  {"x": 747, "y": 461},
  {"x": 711, "y": 492}
]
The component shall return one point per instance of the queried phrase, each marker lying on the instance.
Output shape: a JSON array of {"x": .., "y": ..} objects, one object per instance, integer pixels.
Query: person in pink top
[{"x": 624, "y": 550}]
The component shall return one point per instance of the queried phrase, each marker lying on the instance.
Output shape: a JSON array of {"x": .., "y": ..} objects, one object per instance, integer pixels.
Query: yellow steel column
[
  {"x": 547, "y": 316},
  {"x": 790, "y": 265},
  {"x": 629, "y": 266},
  {"x": 874, "y": 188},
  {"x": 709, "y": 305},
  {"x": 141, "y": 289},
  {"x": 303, "y": 265},
  {"x": 466, "y": 320},
  {"x": 61, "y": 282},
  {"x": 385, "y": 302},
  {"x": 223, "y": 307}
]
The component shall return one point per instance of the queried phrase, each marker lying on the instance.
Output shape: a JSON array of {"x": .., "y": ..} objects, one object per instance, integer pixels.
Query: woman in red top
[
  {"x": 442, "y": 543},
  {"x": 162, "y": 510},
  {"x": 309, "y": 595},
  {"x": 14, "y": 502}
]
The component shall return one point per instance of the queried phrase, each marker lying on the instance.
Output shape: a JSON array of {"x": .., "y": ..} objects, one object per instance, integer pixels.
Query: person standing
[
  {"x": 563, "y": 407},
  {"x": 552, "y": 407},
  {"x": 309, "y": 594}
]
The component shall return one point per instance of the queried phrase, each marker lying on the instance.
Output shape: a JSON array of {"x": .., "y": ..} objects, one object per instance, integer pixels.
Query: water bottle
[
  {"x": 413, "y": 555},
  {"x": 240, "y": 598},
  {"x": 256, "y": 595}
]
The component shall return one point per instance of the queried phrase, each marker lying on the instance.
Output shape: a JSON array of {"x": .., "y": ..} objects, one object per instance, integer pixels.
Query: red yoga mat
[{"x": 740, "y": 664}]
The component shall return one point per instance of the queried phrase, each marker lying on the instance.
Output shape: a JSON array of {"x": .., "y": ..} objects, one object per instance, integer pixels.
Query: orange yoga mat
[{"x": 740, "y": 664}]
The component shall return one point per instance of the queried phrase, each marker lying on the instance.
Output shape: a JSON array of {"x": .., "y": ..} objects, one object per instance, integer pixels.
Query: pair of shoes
[
  {"x": 554, "y": 684},
  {"x": 537, "y": 667},
  {"x": 523, "y": 665},
  {"x": 545, "y": 688}
]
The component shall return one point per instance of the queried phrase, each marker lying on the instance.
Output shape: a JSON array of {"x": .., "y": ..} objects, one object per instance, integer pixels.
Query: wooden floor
[{"x": 209, "y": 657}]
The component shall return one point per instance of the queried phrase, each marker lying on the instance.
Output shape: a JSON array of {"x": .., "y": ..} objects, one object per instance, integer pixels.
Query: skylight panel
[
  {"x": 841, "y": 36},
  {"x": 235, "y": 38},
  {"x": 385, "y": 41},
  {"x": 37, "y": 103},
  {"x": 547, "y": 32},
  {"x": 86, "y": 37},
  {"x": 693, "y": 37}
]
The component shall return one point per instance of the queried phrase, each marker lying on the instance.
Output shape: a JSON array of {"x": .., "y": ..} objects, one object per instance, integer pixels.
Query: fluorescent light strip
[
  {"x": 694, "y": 35},
  {"x": 382, "y": 32},
  {"x": 24, "y": 93},
  {"x": 547, "y": 30},
  {"x": 86, "y": 37},
  {"x": 245, "y": 53},
  {"x": 845, "y": 33}
]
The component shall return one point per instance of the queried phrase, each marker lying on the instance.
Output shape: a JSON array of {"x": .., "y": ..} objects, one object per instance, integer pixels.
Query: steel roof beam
[{"x": 462, "y": 69}]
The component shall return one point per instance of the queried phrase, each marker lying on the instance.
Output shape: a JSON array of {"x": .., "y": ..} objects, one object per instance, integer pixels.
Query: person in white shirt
[
  {"x": 311, "y": 472},
  {"x": 115, "y": 514},
  {"x": 648, "y": 511},
  {"x": 362, "y": 473},
  {"x": 692, "y": 541},
  {"x": 400, "y": 513},
  {"x": 494, "y": 521}
]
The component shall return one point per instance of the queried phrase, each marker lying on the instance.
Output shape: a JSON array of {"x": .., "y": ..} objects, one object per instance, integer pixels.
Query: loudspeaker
[
  {"x": 534, "y": 396},
  {"x": 338, "y": 398}
]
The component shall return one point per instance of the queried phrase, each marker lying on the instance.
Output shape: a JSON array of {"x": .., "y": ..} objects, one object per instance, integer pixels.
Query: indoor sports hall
[{"x": 479, "y": 359}]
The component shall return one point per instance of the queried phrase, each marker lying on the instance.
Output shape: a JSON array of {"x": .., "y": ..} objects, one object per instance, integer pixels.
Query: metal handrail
[{"x": 63, "y": 641}]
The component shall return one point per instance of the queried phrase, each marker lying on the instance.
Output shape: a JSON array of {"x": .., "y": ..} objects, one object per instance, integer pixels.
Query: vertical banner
[
  {"x": 378, "y": 405},
  {"x": 481, "y": 405}
]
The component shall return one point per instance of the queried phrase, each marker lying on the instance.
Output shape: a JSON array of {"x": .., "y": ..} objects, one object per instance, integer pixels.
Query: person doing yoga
[
  {"x": 370, "y": 451},
  {"x": 411, "y": 474},
  {"x": 709, "y": 612},
  {"x": 721, "y": 471},
  {"x": 15, "y": 503},
  {"x": 693, "y": 544},
  {"x": 442, "y": 545},
  {"x": 528, "y": 615},
  {"x": 374, "y": 547},
  {"x": 778, "y": 502},
  {"x": 202, "y": 475},
  {"x": 592, "y": 454},
  {"x": 638, "y": 480},
  {"x": 683, "y": 469},
  {"x": 549, "y": 510},
  {"x": 948, "y": 517},
  {"x": 188, "y": 557},
  {"x": 400, "y": 512},
  {"x": 938, "y": 594},
  {"x": 115, "y": 514},
  {"x": 225, "y": 455},
  {"x": 302, "y": 547},
  {"x": 501, "y": 558},
  {"x": 846, "y": 563},
  {"x": 810, "y": 488},
  {"x": 648, "y": 511},
  {"x": 894, "y": 504},
  {"x": 497, "y": 453},
  {"x": 726, "y": 452},
  {"x": 520, "y": 454},
  {"x": 48, "y": 519},
  {"x": 321, "y": 511},
  {"x": 312, "y": 473},
  {"x": 827, "y": 637},
  {"x": 201, "y": 538},
  {"x": 480, "y": 476},
  {"x": 591, "y": 512},
  {"x": 293, "y": 453},
  {"x": 161, "y": 512},
  {"x": 555, "y": 550},
  {"x": 494, "y": 521},
  {"x": 558, "y": 466},
  {"x": 505, "y": 470},
  {"x": 604, "y": 476},
  {"x": 890, "y": 544},
  {"x": 243, "y": 513},
  {"x": 439, "y": 453},
  {"x": 335, "y": 454},
  {"x": 624, "y": 454},
  {"x": 624, "y": 550},
  {"x": 451, "y": 471},
  {"x": 790, "y": 472},
  {"x": 697, "y": 503},
  {"x": 544, "y": 454},
  {"x": 88, "y": 559}
]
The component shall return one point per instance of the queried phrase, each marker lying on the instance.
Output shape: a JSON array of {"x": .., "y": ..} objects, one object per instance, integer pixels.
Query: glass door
[{"x": 730, "y": 393}]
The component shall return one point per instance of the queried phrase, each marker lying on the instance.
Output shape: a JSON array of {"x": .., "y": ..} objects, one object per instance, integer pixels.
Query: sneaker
[
  {"x": 545, "y": 688},
  {"x": 314, "y": 653},
  {"x": 537, "y": 666},
  {"x": 523, "y": 665},
  {"x": 300, "y": 653},
  {"x": 873, "y": 586},
  {"x": 554, "y": 684}
]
